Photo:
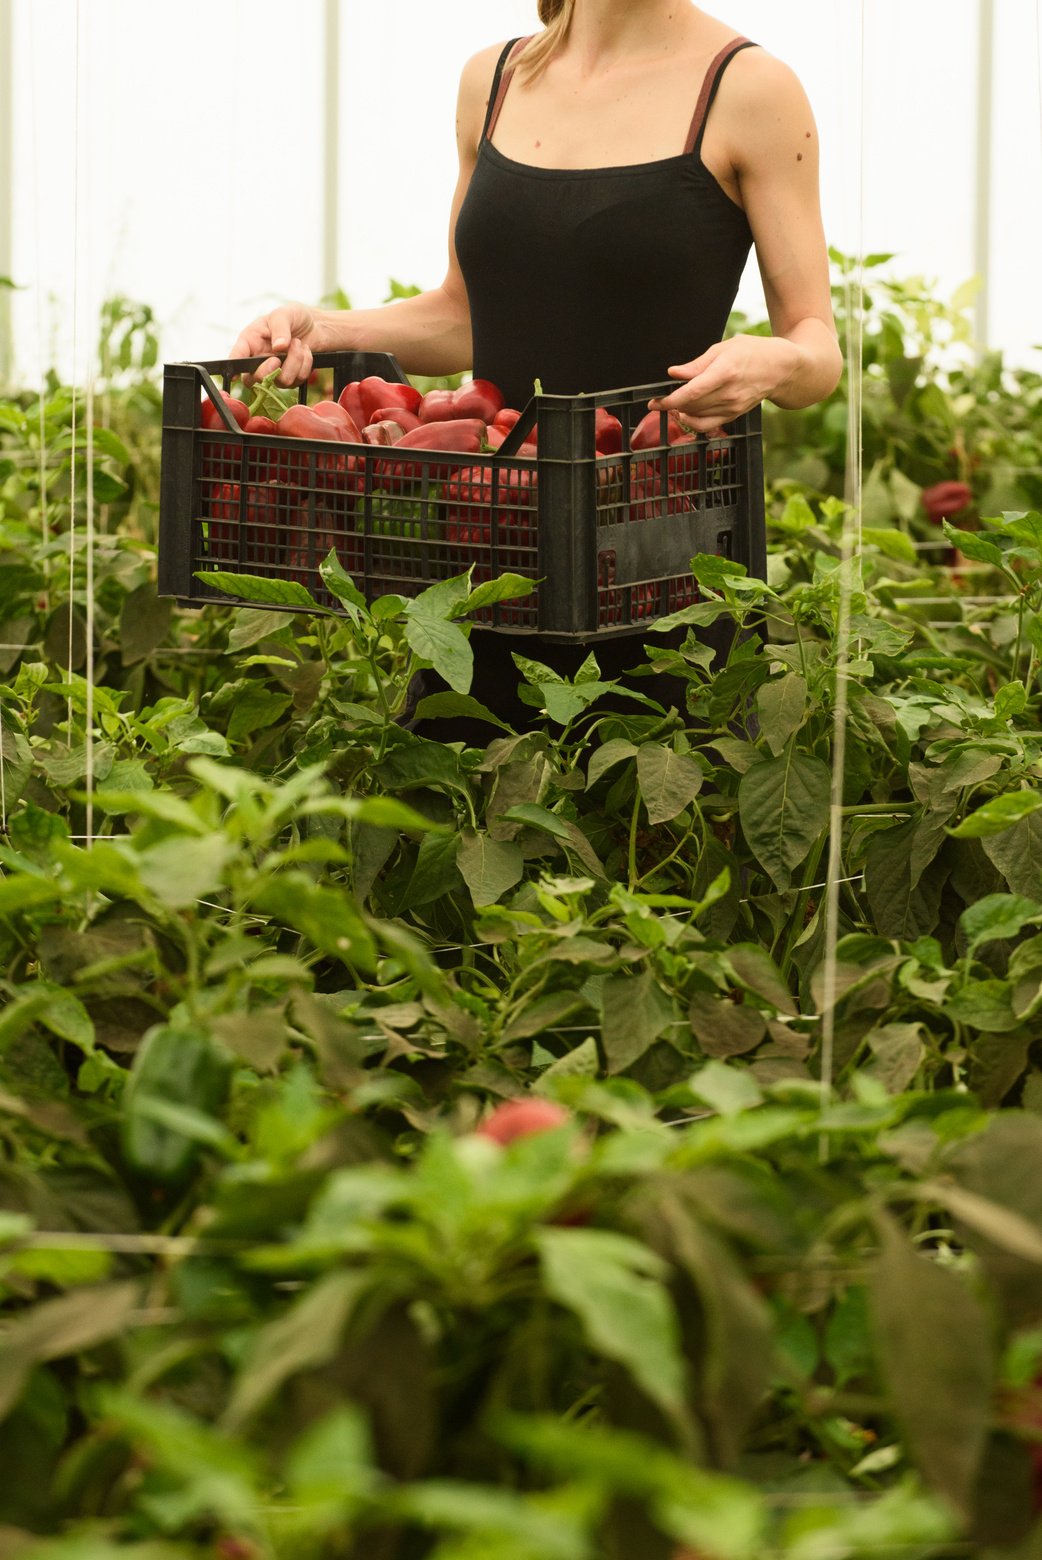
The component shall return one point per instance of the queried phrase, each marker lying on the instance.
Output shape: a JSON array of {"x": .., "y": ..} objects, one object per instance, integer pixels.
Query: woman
[{"x": 614, "y": 171}]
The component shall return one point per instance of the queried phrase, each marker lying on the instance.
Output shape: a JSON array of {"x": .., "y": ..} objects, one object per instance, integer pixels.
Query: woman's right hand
[{"x": 291, "y": 333}]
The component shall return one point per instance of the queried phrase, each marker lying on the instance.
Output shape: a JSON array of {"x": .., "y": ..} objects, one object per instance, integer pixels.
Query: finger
[
  {"x": 267, "y": 367},
  {"x": 697, "y": 365},
  {"x": 293, "y": 366},
  {"x": 280, "y": 327}
]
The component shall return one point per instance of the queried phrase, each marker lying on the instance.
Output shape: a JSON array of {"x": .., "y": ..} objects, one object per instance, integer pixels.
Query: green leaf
[
  {"x": 570, "y": 835},
  {"x": 998, "y": 814},
  {"x": 783, "y": 805},
  {"x": 445, "y": 646},
  {"x": 49, "y": 1330},
  {"x": 489, "y": 867},
  {"x": 441, "y": 600},
  {"x": 339, "y": 582},
  {"x": 331, "y": 1463},
  {"x": 753, "y": 968},
  {"x": 1017, "y": 850},
  {"x": 255, "y": 709},
  {"x": 582, "y": 1062},
  {"x": 508, "y": 587},
  {"x": 996, "y": 917},
  {"x": 986, "y": 1005},
  {"x": 723, "y": 1028},
  {"x": 616, "y": 1287},
  {"x": 902, "y": 883},
  {"x": 253, "y": 587},
  {"x": 306, "y": 1337},
  {"x": 973, "y": 545},
  {"x": 935, "y": 1342},
  {"x": 727, "y": 1090},
  {"x": 782, "y": 708},
  {"x": 668, "y": 781},
  {"x": 182, "y": 871},
  {"x": 325, "y": 915},
  {"x": 898, "y": 1052},
  {"x": 436, "y": 870},
  {"x": 610, "y": 753},
  {"x": 635, "y": 1011},
  {"x": 447, "y": 706},
  {"x": 1010, "y": 700}
]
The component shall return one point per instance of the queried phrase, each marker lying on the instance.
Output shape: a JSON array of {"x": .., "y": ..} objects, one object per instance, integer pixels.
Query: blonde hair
[{"x": 556, "y": 17}]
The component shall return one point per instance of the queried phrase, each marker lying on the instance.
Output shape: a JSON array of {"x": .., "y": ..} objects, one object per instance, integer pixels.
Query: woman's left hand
[{"x": 729, "y": 379}]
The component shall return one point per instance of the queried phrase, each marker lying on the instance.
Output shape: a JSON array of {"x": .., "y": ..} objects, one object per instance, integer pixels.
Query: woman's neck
[{"x": 604, "y": 31}]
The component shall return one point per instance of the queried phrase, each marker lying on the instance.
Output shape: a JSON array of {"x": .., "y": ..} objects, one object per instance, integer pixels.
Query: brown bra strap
[
  {"x": 505, "y": 77},
  {"x": 708, "y": 92}
]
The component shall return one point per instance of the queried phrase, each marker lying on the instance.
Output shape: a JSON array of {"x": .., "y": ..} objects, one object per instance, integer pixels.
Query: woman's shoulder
[
  {"x": 476, "y": 80},
  {"x": 480, "y": 69},
  {"x": 755, "y": 79},
  {"x": 760, "y": 92}
]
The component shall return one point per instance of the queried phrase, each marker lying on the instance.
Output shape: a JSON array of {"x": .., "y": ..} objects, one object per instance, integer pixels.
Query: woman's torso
[{"x": 595, "y": 277}]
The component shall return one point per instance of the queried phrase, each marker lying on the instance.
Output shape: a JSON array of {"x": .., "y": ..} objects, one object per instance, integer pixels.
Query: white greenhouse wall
[{"x": 182, "y": 163}]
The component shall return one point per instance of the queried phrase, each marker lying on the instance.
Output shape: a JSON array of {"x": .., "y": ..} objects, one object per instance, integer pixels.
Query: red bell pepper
[
  {"x": 506, "y": 418},
  {"x": 497, "y": 437},
  {"x": 350, "y": 431},
  {"x": 221, "y": 461},
  {"x": 464, "y": 437},
  {"x": 405, "y": 419},
  {"x": 468, "y": 511},
  {"x": 647, "y": 435},
  {"x": 375, "y": 393},
  {"x": 383, "y": 432},
  {"x": 210, "y": 417},
  {"x": 260, "y": 425},
  {"x": 480, "y": 398},
  {"x": 607, "y": 432},
  {"x": 350, "y": 399},
  {"x": 267, "y": 509},
  {"x": 332, "y": 425},
  {"x": 436, "y": 407}
]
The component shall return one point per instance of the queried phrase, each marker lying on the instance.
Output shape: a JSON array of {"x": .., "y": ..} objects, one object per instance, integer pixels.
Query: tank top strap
[
  {"x": 501, "y": 82},
  {"x": 710, "y": 87}
]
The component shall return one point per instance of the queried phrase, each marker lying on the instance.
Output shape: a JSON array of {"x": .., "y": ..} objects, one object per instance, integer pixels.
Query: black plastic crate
[{"x": 609, "y": 538}]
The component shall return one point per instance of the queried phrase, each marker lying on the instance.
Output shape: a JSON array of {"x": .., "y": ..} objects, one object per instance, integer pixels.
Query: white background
[{"x": 174, "y": 153}]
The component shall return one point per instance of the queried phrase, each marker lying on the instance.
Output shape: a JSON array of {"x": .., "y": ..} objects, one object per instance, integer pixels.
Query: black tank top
[{"x": 597, "y": 278}]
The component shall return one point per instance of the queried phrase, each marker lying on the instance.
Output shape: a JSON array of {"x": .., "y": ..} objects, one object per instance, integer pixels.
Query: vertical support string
[
  {"x": 87, "y": 361},
  {"x": 75, "y": 346},
  {"x": 849, "y": 577}
]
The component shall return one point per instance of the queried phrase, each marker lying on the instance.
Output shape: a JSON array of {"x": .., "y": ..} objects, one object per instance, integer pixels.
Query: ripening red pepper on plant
[
  {"x": 946, "y": 499},
  {"x": 521, "y": 1118}
]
